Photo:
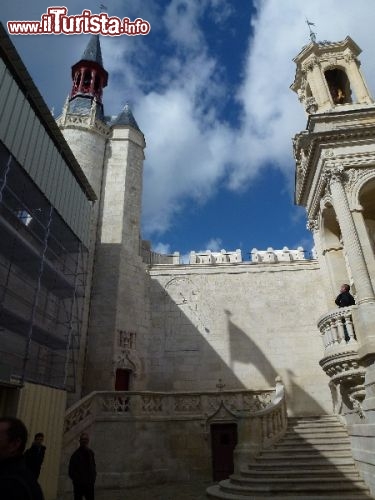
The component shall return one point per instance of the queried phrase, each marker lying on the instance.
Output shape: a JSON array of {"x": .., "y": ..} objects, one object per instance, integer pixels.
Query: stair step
[
  {"x": 316, "y": 430},
  {"x": 308, "y": 447},
  {"x": 296, "y": 440},
  {"x": 312, "y": 461},
  {"x": 309, "y": 482},
  {"x": 335, "y": 486},
  {"x": 215, "y": 492},
  {"x": 303, "y": 454},
  {"x": 351, "y": 472}
]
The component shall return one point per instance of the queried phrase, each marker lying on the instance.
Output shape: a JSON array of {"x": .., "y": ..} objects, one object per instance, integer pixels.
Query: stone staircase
[{"x": 313, "y": 461}]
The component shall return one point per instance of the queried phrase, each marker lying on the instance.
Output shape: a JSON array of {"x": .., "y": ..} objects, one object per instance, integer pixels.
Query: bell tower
[
  {"x": 82, "y": 120},
  {"x": 335, "y": 181},
  {"x": 328, "y": 76}
]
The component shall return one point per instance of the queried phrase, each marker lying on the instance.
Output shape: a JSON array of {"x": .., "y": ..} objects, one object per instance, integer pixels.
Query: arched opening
[
  {"x": 339, "y": 86},
  {"x": 308, "y": 92},
  {"x": 87, "y": 79},
  {"x": 333, "y": 249},
  {"x": 367, "y": 201}
]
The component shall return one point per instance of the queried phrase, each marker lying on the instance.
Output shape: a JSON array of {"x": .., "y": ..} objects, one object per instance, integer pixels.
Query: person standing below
[
  {"x": 82, "y": 470},
  {"x": 16, "y": 480},
  {"x": 34, "y": 456},
  {"x": 344, "y": 298}
]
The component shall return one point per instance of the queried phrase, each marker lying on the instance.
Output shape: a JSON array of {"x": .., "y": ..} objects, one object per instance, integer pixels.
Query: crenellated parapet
[
  {"x": 222, "y": 257},
  {"x": 272, "y": 256}
]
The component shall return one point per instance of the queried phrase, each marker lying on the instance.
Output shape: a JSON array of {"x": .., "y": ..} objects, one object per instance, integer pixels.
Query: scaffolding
[{"x": 43, "y": 267}]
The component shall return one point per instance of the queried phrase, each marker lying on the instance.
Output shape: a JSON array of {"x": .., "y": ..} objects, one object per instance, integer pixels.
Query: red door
[
  {"x": 122, "y": 380},
  {"x": 223, "y": 442}
]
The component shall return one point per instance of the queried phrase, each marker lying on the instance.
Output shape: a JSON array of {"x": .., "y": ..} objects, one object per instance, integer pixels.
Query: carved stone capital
[
  {"x": 311, "y": 105},
  {"x": 334, "y": 174},
  {"x": 312, "y": 225}
]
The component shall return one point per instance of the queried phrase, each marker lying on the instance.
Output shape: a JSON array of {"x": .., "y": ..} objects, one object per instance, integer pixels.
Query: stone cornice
[{"x": 314, "y": 152}]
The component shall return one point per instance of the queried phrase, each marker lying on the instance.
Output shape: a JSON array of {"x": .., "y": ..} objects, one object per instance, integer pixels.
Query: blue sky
[{"x": 209, "y": 87}]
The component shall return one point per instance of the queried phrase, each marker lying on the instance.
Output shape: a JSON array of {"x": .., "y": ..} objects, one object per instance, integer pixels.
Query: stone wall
[{"x": 239, "y": 326}]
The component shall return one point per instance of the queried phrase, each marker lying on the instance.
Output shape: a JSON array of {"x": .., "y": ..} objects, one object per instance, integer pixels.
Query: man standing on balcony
[
  {"x": 344, "y": 298},
  {"x": 82, "y": 470}
]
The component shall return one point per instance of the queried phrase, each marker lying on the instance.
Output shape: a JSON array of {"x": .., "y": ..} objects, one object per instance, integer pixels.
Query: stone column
[
  {"x": 356, "y": 80},
  {"x": 366, "y": 244},
  {"x": 330, "y": 285},
  {"x": 365, "y": 292},
  {"x": 318, "y": 84}
]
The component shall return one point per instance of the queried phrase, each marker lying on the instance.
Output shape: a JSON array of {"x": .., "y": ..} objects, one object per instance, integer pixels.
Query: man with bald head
[
  {"x": 82, "y": 469},
  {"x": 16, "y": 480}
]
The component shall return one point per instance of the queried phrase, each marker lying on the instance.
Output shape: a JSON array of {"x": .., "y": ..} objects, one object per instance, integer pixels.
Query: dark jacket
[
  {"x": 82, "y": 467},
  {"x": 17, "y": 481},
  {"x": 34, "y": 457},
  {"x": 345, "y": 299}
]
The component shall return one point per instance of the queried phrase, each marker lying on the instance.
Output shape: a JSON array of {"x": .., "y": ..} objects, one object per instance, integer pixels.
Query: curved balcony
[
  {"x": 337, "y": 329},
  {"x": 340, "y": 361}
]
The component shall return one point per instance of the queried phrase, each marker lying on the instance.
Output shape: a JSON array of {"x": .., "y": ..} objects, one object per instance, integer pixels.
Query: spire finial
[{"x": 312, "y": 34}]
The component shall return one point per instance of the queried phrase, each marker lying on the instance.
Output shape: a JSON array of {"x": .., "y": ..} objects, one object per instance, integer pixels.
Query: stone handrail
[
  {"x": 336, "y": 328},
  {"x": 148, "y": 405},
  {"x": 261, "y": 429}
]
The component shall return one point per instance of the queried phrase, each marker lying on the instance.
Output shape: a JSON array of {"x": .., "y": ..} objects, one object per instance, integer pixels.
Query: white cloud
[
  {"x": 190, "y": 150},
  {"x": 162, "y": 248},
  {"x": 214, "y": 244}
]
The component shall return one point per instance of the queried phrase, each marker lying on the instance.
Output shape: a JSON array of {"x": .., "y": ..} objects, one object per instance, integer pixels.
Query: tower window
[
  {"x": 339, "y": 86},
  {"x": 87, "y": 78}
]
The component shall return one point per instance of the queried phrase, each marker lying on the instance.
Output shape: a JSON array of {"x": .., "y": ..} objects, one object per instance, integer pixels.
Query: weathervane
[{"x": 312, "y": 34}]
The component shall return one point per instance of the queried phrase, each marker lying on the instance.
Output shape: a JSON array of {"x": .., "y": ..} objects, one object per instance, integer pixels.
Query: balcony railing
[{"x": 337, "y": 329}]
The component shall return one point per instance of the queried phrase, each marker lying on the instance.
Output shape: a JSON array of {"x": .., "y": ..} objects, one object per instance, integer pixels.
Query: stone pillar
[
  {"x": 364, "y": 315},
  {"x": 365, "y": 292},
  {"x": 323, "y": 258},
  {"x": 318, "y": 85},
  {"x": 356, "y": 80}
]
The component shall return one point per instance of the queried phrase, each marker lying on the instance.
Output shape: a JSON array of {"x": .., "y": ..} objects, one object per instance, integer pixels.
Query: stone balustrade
[
  {"x": 261, "y": 429},
  {"x": 336, "y": 328},
  {"x": 169, "y": 406}
]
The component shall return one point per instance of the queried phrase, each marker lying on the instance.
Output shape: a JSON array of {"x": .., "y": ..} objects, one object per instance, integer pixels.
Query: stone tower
[
  {"x": 110, "y": 152},
  {"x": 82, "y": 121},
  {"x": 335, "y": 181}
]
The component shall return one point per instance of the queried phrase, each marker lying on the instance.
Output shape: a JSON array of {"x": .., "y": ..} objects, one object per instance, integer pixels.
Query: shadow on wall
[
  {"x": 184, "y": 352},
  {"x": 243, "y": 349}
]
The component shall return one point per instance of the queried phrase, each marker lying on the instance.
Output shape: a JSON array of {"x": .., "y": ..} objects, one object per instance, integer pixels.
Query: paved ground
[{"x": 171, "y": 491}]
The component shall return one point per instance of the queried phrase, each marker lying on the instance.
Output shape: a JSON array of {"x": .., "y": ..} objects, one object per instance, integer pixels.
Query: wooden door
[{"x": 223, "y": 442}]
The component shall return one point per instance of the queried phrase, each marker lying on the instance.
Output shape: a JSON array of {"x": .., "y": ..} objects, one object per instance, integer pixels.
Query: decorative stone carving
[
  {"x": 334, "y": 174},
  {"x": 152, "y": 404},
  {"x": 311, "y": 106},
  {"x": 187, "y": 404},
  {"x": 115, "y": 403},
  {"x": 126, "y": 340},
  {"x": 312, "y": 225},
  {"x": 78, "y": 415}
]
